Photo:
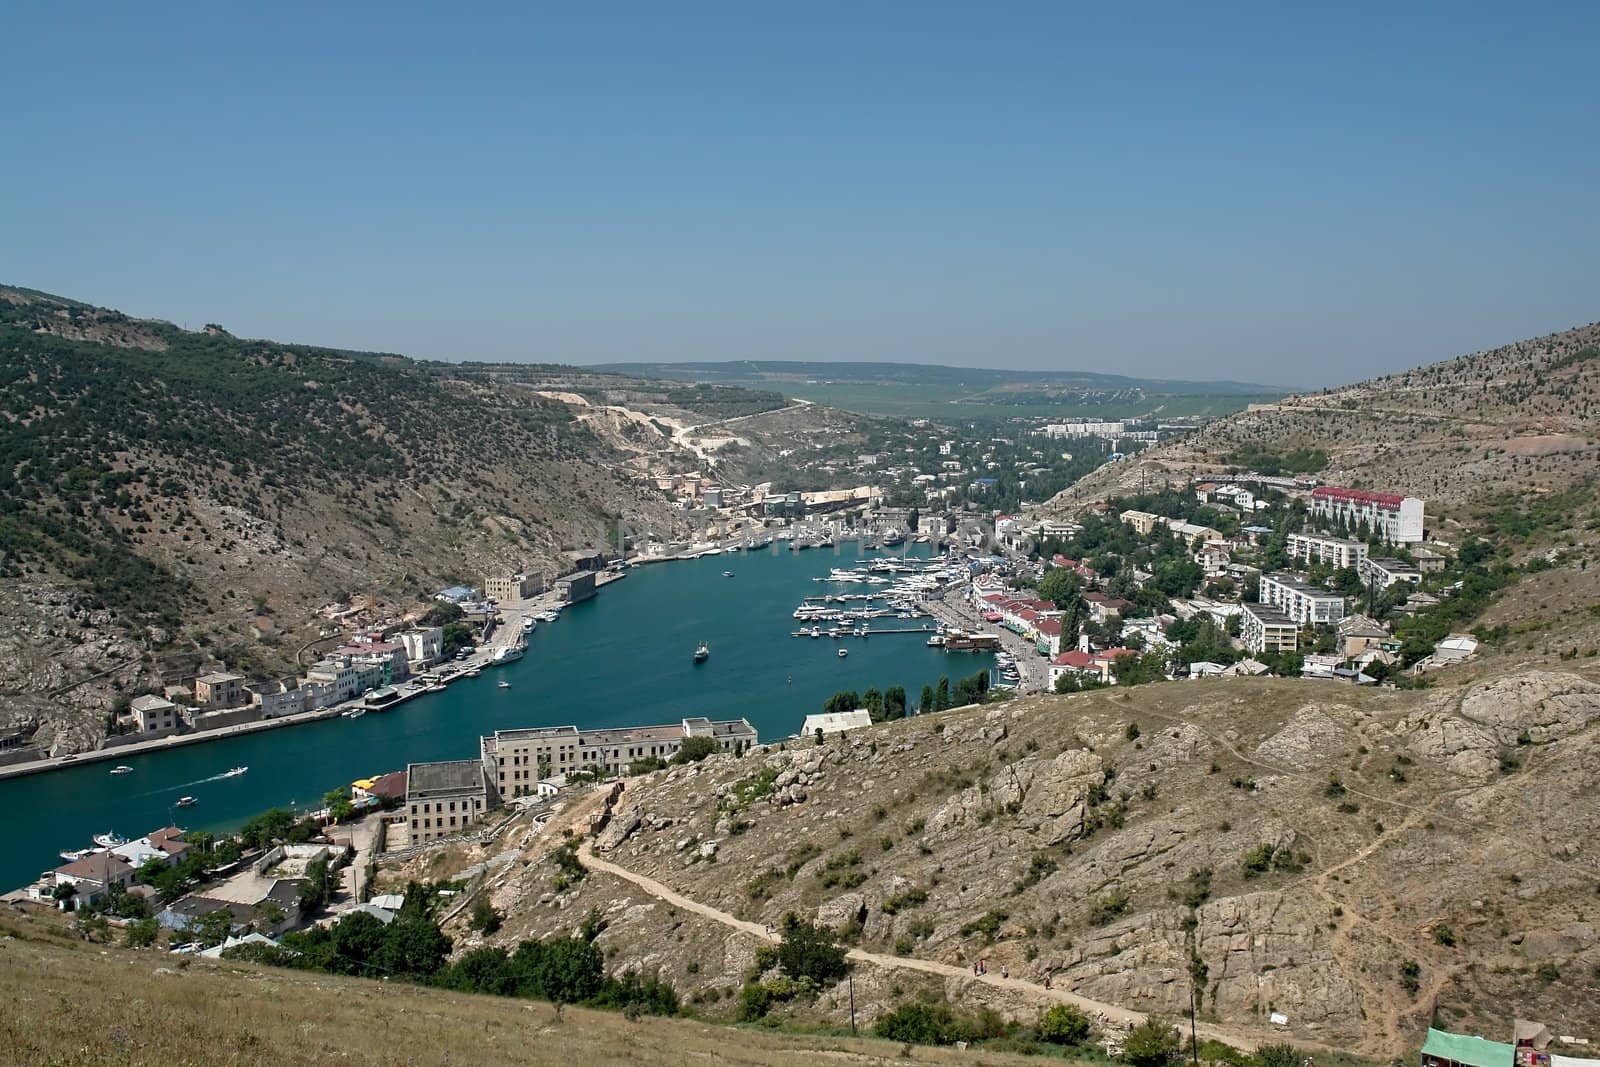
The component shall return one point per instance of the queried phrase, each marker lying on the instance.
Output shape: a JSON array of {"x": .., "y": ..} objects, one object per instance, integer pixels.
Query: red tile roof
[
  {"x": 1074, "y": 658},
  {"x": 1048, "y": 626},
  {"x": 1356, "y": 496}
]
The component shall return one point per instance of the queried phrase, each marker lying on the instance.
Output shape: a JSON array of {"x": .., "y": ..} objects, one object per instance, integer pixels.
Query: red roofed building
[
  {"x": 1392, "y": 517},
  {"x": 1094, "y": 665},
  {"x": 1049, "y": 639}
]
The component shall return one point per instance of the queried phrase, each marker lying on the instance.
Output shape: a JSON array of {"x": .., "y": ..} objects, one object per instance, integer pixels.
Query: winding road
[{"x": 1095, "y": 1009}]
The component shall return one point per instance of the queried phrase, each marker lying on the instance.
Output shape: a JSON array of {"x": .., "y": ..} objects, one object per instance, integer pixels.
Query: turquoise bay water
[{"x": 624, "y": 658}]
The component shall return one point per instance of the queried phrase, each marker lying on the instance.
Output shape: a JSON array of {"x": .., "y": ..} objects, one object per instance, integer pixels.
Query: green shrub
[{"x": 1063, "y": 1024}]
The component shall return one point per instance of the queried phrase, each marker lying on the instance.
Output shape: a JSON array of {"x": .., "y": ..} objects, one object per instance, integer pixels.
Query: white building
[
  {"x": 1266, "y": 629},
  {"x": 1308, "y": 605},
  {"x": 1329, "y": 551},
  {"x": 836, "y": 722},
  {"x": 424, "y": 646},
  {"x": 1382, "y": 573},
  {"x": 519, "y": 759},
  {"x": 153, "y": 713},
  {"x": 1394, "y": 518}
]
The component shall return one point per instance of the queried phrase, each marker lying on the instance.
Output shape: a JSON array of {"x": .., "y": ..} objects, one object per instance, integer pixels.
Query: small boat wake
[{"x": 225, "y": 775}]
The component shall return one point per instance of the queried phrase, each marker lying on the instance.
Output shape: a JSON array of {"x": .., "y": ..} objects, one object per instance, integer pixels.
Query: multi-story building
[
  {"x": 446, "y": 798},
  {"x": 152, "y": 714},
  {"x": 1308, "y": 605},
  {"x": 387, "y": 657},
  {"x": 1380, "y": 573},
  {"x": 219, "y": 690},
  {"x": 1265, "y": 629},
  {"x": 424, "y": 645},
  {"x": 518, "y": 586},
  {"x": 518, "y": 759},
  {"x": 1143, "y": 522},
  {"x": 1392, "y": 517},
  {"x": 339, "y": 679},
  {"x": 1329, "y": 551}
]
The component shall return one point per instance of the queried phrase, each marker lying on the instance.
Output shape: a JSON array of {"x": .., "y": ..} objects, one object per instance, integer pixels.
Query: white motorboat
[
  {"x": 187, "y": 802},
  {"x": 234, "y": 772},
  {"x": 109, "y": 840},
  {"x": 843, "y": 652},
  {"x": 122, "y": 768},
  {"x": 504, "y": 684}
]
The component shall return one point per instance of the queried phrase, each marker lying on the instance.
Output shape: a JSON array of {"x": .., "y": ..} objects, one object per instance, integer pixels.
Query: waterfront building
[
  {"x": 1308, "y": 605},
  {"x": 1329, "y": 551},
  {"x": 1381, "y": 573},
  {"x": 388, "y": 657},
  {"x": 579, "y": 585},
  {"x": 513, "y": 586},
  {"x": 93, "y": 877},
  {"x": 445, "y": 798},
  {"x": 519, "y": 759},
  {"x": 1264, "y": 628},
  {"x": 153, "y": 714},
  {"x": 219, "y": 689},
  {"x": 424, "y": 645},
  {"x": 275, "y": 698},
  {"x": 1392, "y": 517}
]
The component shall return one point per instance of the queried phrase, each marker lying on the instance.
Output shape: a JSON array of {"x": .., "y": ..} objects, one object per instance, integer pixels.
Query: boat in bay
[
  {"x": 702, "y": 653},
  {"x": 843, "y": 652},
  {"x": 508, "y": 654},
  {"x": 234, "y": 772},
  {"x": 187, "y": 802},
  {"x": 122, "y": 768},
  {"x": 504, "y": 684},
  {"x": 109, "y": 840}
]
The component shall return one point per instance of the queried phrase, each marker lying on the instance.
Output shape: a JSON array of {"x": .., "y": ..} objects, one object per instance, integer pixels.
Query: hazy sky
[{"x": 1256, "y": 193}]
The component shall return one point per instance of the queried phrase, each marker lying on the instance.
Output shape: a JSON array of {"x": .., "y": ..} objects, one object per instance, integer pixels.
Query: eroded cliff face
[{"x": 1291, "y": 844}]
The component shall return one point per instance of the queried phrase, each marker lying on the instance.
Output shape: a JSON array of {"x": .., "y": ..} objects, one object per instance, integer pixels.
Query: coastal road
[
  {"x": 1032, "y": 669},
  {"x": 1106, "y": 1013}
]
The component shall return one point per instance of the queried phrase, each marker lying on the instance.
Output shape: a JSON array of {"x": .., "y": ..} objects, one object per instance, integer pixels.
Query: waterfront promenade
[{"x": 504, "y": 636}]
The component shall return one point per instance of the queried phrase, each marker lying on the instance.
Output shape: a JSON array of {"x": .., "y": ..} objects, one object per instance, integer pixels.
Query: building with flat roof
[
  {"x": 1264, "y": 628},
  {"x": 513, "y": 586},
  {"x": 517, "y": 760},
  {"x": 445, "y": 798},
  {"x": 1309, "y": 548},
  {"x": 1381, "y": 573},
  {"x": 836, "y": 722},
  {"x": 579, "y": 585},
  {"x": 1392, "y": 517},
  {"x": 1306, "y": 604}
]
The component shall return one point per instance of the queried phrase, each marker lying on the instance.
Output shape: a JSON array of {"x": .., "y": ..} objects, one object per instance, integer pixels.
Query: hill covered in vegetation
[{"x": 167, "y": 495}]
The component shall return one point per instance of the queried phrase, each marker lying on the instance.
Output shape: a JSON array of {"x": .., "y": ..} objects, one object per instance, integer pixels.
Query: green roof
[{"x": 1473, "y": 1051}]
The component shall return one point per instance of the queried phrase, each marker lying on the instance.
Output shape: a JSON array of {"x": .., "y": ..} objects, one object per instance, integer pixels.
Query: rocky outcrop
[
  {"x": 1535, "y": 707},
  {"x": 1305, "y": 742}
]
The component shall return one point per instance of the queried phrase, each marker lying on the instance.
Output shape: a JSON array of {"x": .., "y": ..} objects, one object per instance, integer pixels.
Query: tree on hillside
[
  {"x": 925, "y": 705},
  {"x": 695, "y": 749},
  {"x": 807, "y": 950},
  {"x": 894, "y": 702}
]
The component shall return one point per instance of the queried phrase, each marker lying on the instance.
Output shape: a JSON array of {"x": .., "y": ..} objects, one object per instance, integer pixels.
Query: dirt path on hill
[{"x": 1096, "y": 1009}]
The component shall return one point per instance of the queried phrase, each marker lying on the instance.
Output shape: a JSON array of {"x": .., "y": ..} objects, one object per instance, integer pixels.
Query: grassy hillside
[
  {"x": 69, "y": 1003},
  {"x": 167, "y": 493}
]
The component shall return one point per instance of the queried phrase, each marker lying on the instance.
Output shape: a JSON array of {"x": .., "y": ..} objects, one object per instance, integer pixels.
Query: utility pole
[{"x": 1194, "y": 1042}]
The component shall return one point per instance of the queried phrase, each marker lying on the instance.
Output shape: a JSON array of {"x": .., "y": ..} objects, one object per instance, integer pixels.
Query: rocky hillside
[
  {"x": 1360, "y": 861},
  {"x": 168, "y": 495},
  {"x": 1521, "y": 418}
]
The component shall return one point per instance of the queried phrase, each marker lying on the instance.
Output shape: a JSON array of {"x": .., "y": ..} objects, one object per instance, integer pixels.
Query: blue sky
[{"x": 1203, "y": 191}]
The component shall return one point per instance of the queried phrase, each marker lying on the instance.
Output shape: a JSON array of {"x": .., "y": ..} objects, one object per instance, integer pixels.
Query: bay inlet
[{"x": 624, "y": 658}]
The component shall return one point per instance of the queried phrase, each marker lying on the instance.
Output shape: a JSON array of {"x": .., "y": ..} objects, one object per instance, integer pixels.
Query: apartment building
[
  {"x": 1381, "y": 573},
  {"x": 445, "y": 798},
  {"x": 1309, "y": 548},
  {"x": 1308, "y": 605},
  {"x": 1392, "y": 517},
  {"x": 1265, "y": 629},
  {"x": 518, "y": 759}
]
